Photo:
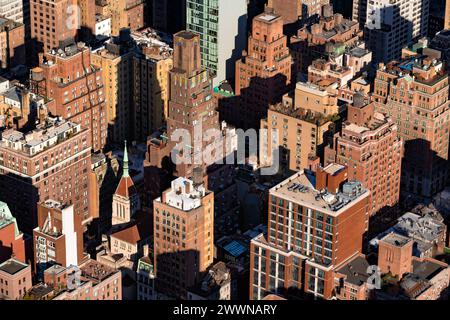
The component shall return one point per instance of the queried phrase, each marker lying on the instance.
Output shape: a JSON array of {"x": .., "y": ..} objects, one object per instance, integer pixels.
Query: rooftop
[
  {"x": 355, "y": 270},
  {"x": 396, "y": 239},
  {"x": 96, "y": 271},
  {"x": 216, "y": 277},
  {"x": 184, "y": 195},
  {"x": 46, "y": 135},
  {"x": 300, "y": 188},
  {"x": 12, "y": 266},
  {"x": 267, "y": 17},
  {"x": 6, "y": 218}
]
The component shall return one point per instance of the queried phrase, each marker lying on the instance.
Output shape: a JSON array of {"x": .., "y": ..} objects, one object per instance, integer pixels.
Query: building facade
[
  {"x": 68, "y": 77},
  {"x": 263, "y": 74},
  {"x": 316, "y": 223},
  {"x": 58, "y": 238},
  {"x": 391, "y": 25},
  {"x": 370, "y": 147},
  {"x": 183, "y": 236},
  {"x": 12, "y": 44},
  {"x": 222, "y": 26},
  {"x": 51, "y": 162},
  {"x": 15, "y": 279},
  {"x": 53, "y": 23}
]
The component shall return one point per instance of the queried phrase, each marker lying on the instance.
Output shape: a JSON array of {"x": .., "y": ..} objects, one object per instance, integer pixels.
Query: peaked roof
[
  {"x": 140, "y": 230},
  {"x": 126, "y": 186}
]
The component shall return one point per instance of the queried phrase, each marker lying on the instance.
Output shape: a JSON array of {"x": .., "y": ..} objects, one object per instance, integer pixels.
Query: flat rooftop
[
  {"x": 355, "y": 270},
  {"x": 396, "y": 239},
  {"x": 268, "y": 17},
  {"x": 12, "y": 266},
  {"x": 188, "y": 35},
  {"x": 300, "y": 188},
  {"x": 427, "y": 269}
]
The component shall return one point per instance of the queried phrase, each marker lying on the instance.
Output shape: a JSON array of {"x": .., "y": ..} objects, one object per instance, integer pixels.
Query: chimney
[
  {"x": 146, "y": 250},
  {"x": 313, "y": 162},
  {"x": 197, "y": 176}
]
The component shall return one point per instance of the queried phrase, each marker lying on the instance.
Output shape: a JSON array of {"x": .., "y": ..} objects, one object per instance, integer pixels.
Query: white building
[
  {"x": 102, "y": 26},
  {"x": 222, "y": 25},
  {"x": 393, "y": 24}
]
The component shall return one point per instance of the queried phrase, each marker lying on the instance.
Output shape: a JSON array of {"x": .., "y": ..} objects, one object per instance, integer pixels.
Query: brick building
[
  {"x": 58, "y": 239},
  {"x": 15, "y": 279},
  {"x": 368, "y": 144},
  {"x": 50, "y": 162},
  {"x": 316, "y": 223},
  {"x": 53, "y": 23},
  {"x": 67, "y": 76},
  {"x": 183, "y": 236},
  {"x": 414, "y": 92},
  {"x": 12, "y": 44},
  {"x": 11, "y": 239},
  {"x": 263, "y": 74},
  {"x": 332, "y": 34},
  {"x": 193, "y": 108},
  {"x": 90, "y": 281}
]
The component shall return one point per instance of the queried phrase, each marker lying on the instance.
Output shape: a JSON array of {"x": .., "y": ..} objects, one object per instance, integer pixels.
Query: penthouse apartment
[{"x": 50, "y": 162}]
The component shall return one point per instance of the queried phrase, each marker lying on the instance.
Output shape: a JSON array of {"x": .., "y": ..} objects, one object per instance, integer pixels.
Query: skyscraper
[
  {"x": 191, "y": 108},
  {"x": 263, "y": 74},
  {"x": 183, "y": 236},
  {"x": 222, "y": 26}
]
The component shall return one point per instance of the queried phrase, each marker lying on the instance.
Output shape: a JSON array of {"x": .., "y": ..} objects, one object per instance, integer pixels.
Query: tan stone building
[
  {"x": 263, "y": 74},
  {"x": 115, "y": 62},
  {"x": 125, "y": 14},
  {"x": 300, "y": 135}
]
